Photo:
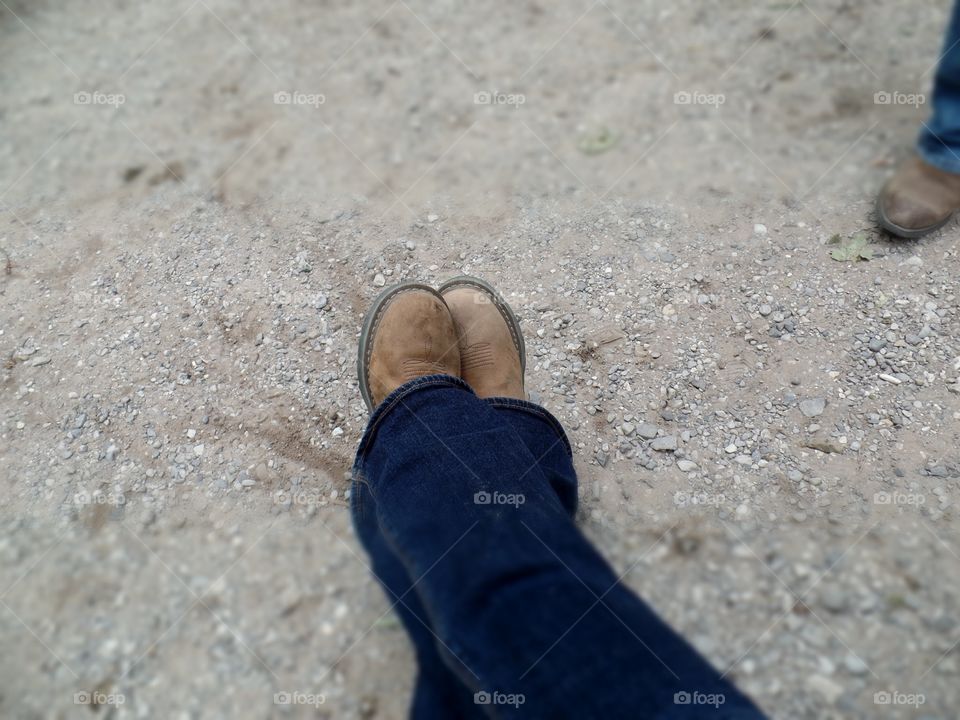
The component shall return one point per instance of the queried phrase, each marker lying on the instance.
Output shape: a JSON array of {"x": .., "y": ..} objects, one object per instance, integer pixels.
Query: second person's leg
[
  {"x": 924, "y": 193},
  {"x": 939, "y": 143}
]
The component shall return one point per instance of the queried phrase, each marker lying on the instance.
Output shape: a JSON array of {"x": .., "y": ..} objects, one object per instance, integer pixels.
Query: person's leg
[
  {"x": 467, "y": 503},
  {"x": 924, "y": 193},
  {"x": 939, "y": 142},
  {"x": 408, "y": 332},
  {"x": 493, "y": 361},
  {"x": 525, "y": 608},
  {"x": 438, "y": 693},
  {"x": 551, "y": 449}
]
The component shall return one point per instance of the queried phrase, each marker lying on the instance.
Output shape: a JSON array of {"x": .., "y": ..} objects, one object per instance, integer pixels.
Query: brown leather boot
[
  {"x": 918, "y": 199},
  {"x": 408, "y": 333},
  {"x": 492, "y": 353}
]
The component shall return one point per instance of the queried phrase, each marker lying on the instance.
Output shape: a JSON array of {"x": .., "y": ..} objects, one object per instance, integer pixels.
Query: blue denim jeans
[
  {"x": 939, "y": 143},
  {"x": 466, "y": 507}
]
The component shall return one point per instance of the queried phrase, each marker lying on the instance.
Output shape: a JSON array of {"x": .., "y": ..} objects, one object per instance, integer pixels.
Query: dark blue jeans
[
  {"x": 466, "y": 509},
  {"x": 939, "y": 143}
]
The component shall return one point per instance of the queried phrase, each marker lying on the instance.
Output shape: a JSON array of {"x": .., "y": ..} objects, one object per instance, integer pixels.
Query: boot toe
[
  {"x": 908, "y": 213},
  {"x": 412, "y": 335}
]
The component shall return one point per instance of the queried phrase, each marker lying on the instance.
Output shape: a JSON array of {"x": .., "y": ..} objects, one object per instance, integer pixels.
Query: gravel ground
[{"x": 676, "y": 200}]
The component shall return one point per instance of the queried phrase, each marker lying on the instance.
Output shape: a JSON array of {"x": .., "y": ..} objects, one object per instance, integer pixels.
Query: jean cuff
[
  {"x": 428, "y": 381},
  {"x": 933, "y": 151},
  {"x": 536, "y": 410},
  {"x": 396, "y": 398}
]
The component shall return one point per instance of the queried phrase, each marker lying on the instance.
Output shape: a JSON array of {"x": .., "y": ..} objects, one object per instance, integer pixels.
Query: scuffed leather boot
[
  {"x": 918, "y": 199},
  {"x": 492, "y": 354},
  {"x": 408, "y": 333}
]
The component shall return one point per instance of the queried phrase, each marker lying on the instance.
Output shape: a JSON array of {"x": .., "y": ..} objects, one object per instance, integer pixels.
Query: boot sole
[
  {"x": 370, "y": 321},
  {"x": 506, "y": 312},
  {"x": 906, "y": 233}
]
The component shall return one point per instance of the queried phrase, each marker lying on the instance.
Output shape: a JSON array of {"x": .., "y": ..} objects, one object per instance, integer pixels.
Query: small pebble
[
  {"x": 668, "y": 443},
  {"x": 813, "y": 406}
]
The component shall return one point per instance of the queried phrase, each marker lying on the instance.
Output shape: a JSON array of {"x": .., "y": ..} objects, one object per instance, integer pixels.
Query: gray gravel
[{"x": 766, "y": 437}]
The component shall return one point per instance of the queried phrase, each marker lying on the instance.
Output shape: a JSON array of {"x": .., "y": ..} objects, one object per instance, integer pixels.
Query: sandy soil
[{"x": 766, "y": 436}]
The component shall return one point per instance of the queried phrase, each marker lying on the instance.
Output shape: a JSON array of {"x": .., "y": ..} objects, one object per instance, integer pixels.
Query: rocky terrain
[{"x": 198, "y": 200}]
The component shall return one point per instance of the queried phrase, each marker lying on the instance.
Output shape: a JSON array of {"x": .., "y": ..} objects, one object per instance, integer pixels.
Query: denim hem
[
  {"x": 396, "y": 398},
  {"x": 933, "y": 151},
  {"x": 538, "y": 411}
]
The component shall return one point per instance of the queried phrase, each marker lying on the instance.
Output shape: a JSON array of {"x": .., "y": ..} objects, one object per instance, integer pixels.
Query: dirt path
[{"x": 197, "y": 199}]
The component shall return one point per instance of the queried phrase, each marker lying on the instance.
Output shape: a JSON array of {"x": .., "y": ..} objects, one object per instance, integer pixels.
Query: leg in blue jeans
[
  {"x": 465, "y": 506},
  {"x": 438, "y": 692},
  {"x": 939, "y": 143}
]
